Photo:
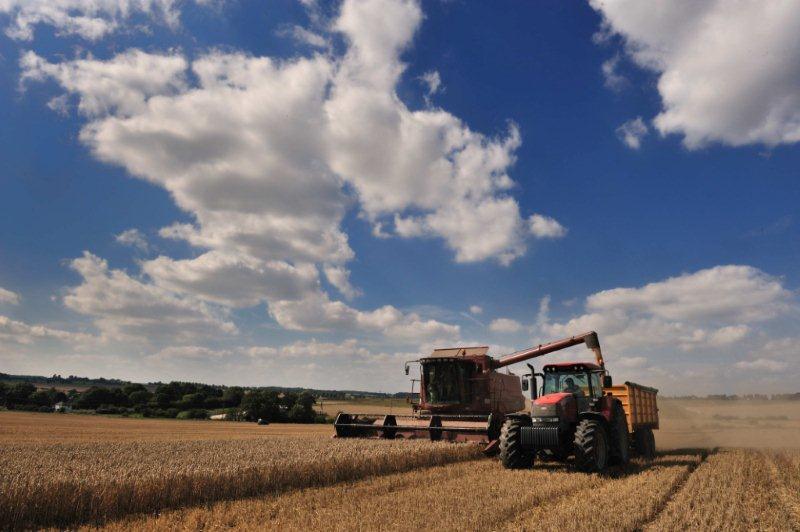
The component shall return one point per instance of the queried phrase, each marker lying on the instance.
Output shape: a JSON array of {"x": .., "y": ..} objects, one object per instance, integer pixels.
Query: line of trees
[{"x": 183, "y": 400}]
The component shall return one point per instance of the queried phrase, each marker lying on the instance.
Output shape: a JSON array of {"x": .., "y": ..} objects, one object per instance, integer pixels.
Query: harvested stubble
[
  {"x": 61, "y": 485},
  {"x": 470, "y": 496},
  {"x": 733, "y": 490}
]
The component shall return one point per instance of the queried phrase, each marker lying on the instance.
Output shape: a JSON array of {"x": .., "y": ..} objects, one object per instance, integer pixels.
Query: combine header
[{"x": 462, "y": 396}]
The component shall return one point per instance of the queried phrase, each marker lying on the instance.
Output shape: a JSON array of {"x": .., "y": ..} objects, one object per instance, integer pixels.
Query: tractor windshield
[
  {"x": 566, "y": 382},
  {"x": 447, "y": 381}
]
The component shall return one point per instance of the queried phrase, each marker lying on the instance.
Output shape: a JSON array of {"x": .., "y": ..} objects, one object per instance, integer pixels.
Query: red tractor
[{"x": 580, "y": 413}]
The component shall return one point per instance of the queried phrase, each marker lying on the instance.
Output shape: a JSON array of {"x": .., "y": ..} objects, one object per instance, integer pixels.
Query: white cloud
[
  {"x": 728, "y": 72},
  {"x": 124, "y": 308},
  {"x": 189, "y": 353},
  {"x": 263, "y": 155},
  {"x": 89, "y": 19},
  {"x": 632, "y": 132},
  {"x": 233, "y": 281},
  {"x": 729, "y": 293},
  {"x": 707, "y": 309},
  {"x": 305, "y": 36},
  {"x": 121, "y": 86},
  {"x": 339, "y": 277},
  {"x": 630, "y": 362},
  {"x": 546, "y": 227},
  {"x": 21, "y": 333},
  {"x": 505, "y": 325},
  {"x": 133, "y": 238},
  {"x": 611, "y": 76},
  {"x": 476, "y": 310},
  {"x": 433, "y": 82},
  {"x": 7, "y": 296},
  {"x": 319, "y": 313},
  {"x": 761, "y": 364}
]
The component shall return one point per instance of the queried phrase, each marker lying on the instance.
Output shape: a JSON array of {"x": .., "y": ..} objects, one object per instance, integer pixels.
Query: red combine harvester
[{"x": 463, "y": 397}]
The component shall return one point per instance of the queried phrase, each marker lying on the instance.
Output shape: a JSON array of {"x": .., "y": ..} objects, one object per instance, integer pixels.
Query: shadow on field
[{"x": 669, "y": 458}]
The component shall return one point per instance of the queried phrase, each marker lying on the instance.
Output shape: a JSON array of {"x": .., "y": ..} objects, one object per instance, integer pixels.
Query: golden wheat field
[{"x": 68, "y": 471}]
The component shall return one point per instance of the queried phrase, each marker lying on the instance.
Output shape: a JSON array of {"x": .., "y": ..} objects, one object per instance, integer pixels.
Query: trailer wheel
[
  {"x": 591, "y": 446},
  {"x": 645, "y": 443},
  {"x": 620, "y": 445},
  {"x": 512, "y": 454}
]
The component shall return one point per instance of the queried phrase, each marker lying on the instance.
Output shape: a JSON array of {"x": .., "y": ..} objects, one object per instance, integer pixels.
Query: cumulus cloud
[
  {"x": 433, "y": 82},
  {"x": 339, "y": 277},
  {"x": 318, "y": 313},
  {"x": 267, "y": 156},
  {"x": 21, "y": 333},
  {"x": 632, "y": 132},
  {"x": 728, "y": 72},
  {"x": 7, "y": 296},
  {"x": 710, "y": 308},
  {"x": 231, "y": 280},
  {"x": 611, "y": 76},
  {"x": 761, "y": 364},
  {"x": 304, "y": 36},
  {"x": 133, "y": 238},
  {"x": 476, "y": 310},
  {"x": 505, "y": 325},
  {"x": 88, "y": 19},
  {"x": 124, "y": 308},
  {"x": 546, "y": 227}
]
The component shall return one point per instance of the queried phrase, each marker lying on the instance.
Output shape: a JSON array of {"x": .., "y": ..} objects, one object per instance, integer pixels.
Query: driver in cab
[{"x": 571, "y": 387}]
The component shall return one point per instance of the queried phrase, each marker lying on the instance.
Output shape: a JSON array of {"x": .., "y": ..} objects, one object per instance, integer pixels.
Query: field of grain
[
  {"x": 93, "y": 471},
  {"x": 62, "y": 484}
]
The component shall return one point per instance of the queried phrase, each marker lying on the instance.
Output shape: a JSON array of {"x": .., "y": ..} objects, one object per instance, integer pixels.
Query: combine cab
[{"x": 462, "y": 396}]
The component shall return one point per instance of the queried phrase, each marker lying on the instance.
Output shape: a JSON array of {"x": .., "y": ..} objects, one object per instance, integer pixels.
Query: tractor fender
[
  {"x": 518, "y": 415},
  {"x": 597, "y": 416}
]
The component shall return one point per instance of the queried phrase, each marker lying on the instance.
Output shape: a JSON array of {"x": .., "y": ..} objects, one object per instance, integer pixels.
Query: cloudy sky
[{"x": 308, "y": 193}]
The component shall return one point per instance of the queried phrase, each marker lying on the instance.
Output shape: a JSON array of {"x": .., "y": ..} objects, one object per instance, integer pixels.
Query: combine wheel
[
  {"x": 343, "y": 431},
  {"x": 512, "y": 454},
  {"x": 645, "y": 443},
  {"x": 389, "y": 433},
  {"x": 591, "y": 446},
  {"x": 620, "y": 446}
]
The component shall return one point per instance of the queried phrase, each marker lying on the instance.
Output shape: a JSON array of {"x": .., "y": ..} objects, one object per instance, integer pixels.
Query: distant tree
[
  {"x": 232, "y": 396},
  {"x": 128, "y": 389},
  {"x": 140, "y": 397},
  {"x": 19, "y": 394}
]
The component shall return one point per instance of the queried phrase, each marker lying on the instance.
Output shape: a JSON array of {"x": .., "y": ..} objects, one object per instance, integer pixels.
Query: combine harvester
[{"x": 579, "y": 412}]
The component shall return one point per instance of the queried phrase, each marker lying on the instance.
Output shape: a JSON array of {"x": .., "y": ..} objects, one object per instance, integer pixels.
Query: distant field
[{"x": 68, "y": 470}]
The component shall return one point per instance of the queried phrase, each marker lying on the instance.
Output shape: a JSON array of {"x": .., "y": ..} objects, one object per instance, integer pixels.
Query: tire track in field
[
  {"x": 787, "y": 482},
  {"x": 630, "y": 496},
  {"x": 676, "y": 488}
]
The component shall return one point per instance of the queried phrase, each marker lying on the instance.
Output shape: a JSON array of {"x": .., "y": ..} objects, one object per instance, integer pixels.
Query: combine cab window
[
  {"x": 447, "y": 382},
  {"x": 566, "y": 382}
]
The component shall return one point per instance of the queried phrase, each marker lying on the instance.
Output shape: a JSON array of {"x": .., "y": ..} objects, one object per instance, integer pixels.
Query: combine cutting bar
[{"x": 475, "y": 428}]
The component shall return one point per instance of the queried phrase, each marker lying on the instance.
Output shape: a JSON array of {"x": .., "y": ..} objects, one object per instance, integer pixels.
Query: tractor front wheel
[
  {"x": 591, "y": 446},
  {"x": 512, "y": 454}
]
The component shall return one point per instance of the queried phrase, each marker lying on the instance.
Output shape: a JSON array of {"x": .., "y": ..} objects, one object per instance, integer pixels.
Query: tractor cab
[{"x": 569, "y": 383}]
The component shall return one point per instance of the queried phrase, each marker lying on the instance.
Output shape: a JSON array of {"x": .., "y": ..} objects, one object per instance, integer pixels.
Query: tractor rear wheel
[
  {"x": 512, "y": 454},
  {"x": 645, "y": 443},
  {"x": 620, "y": 446},
  {"x": 591, "y": 446}
]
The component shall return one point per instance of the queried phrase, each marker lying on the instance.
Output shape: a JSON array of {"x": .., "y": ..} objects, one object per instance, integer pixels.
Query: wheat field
[{"x": 70, "y": 471}]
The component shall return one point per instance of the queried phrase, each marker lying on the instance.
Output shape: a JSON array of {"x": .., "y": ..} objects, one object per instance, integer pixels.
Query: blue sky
[{"x": 303, "y": 193}]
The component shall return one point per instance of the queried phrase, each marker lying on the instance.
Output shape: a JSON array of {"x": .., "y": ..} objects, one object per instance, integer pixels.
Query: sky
[{"x": 304, "y": 193}]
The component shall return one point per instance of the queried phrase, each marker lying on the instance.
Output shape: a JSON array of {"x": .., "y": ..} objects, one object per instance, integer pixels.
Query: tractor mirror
[
  {"x": 525, "y": 385},
  {"x": 406, "y": 369},
  {"x": 607, "y": 382}
]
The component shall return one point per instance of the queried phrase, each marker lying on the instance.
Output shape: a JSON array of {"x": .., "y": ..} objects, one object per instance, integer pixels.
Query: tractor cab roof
[{"x": 572, "y": 367}]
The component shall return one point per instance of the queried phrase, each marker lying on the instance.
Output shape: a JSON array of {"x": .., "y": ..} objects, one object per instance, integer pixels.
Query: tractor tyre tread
[
  {"x": 512, "y": 454},
  {"x": 620, "y": 445},
  {"x": 591, "y": 455}
]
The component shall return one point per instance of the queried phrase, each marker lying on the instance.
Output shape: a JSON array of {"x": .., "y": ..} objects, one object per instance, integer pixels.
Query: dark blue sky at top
[{"x": 634, "y": 216}]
